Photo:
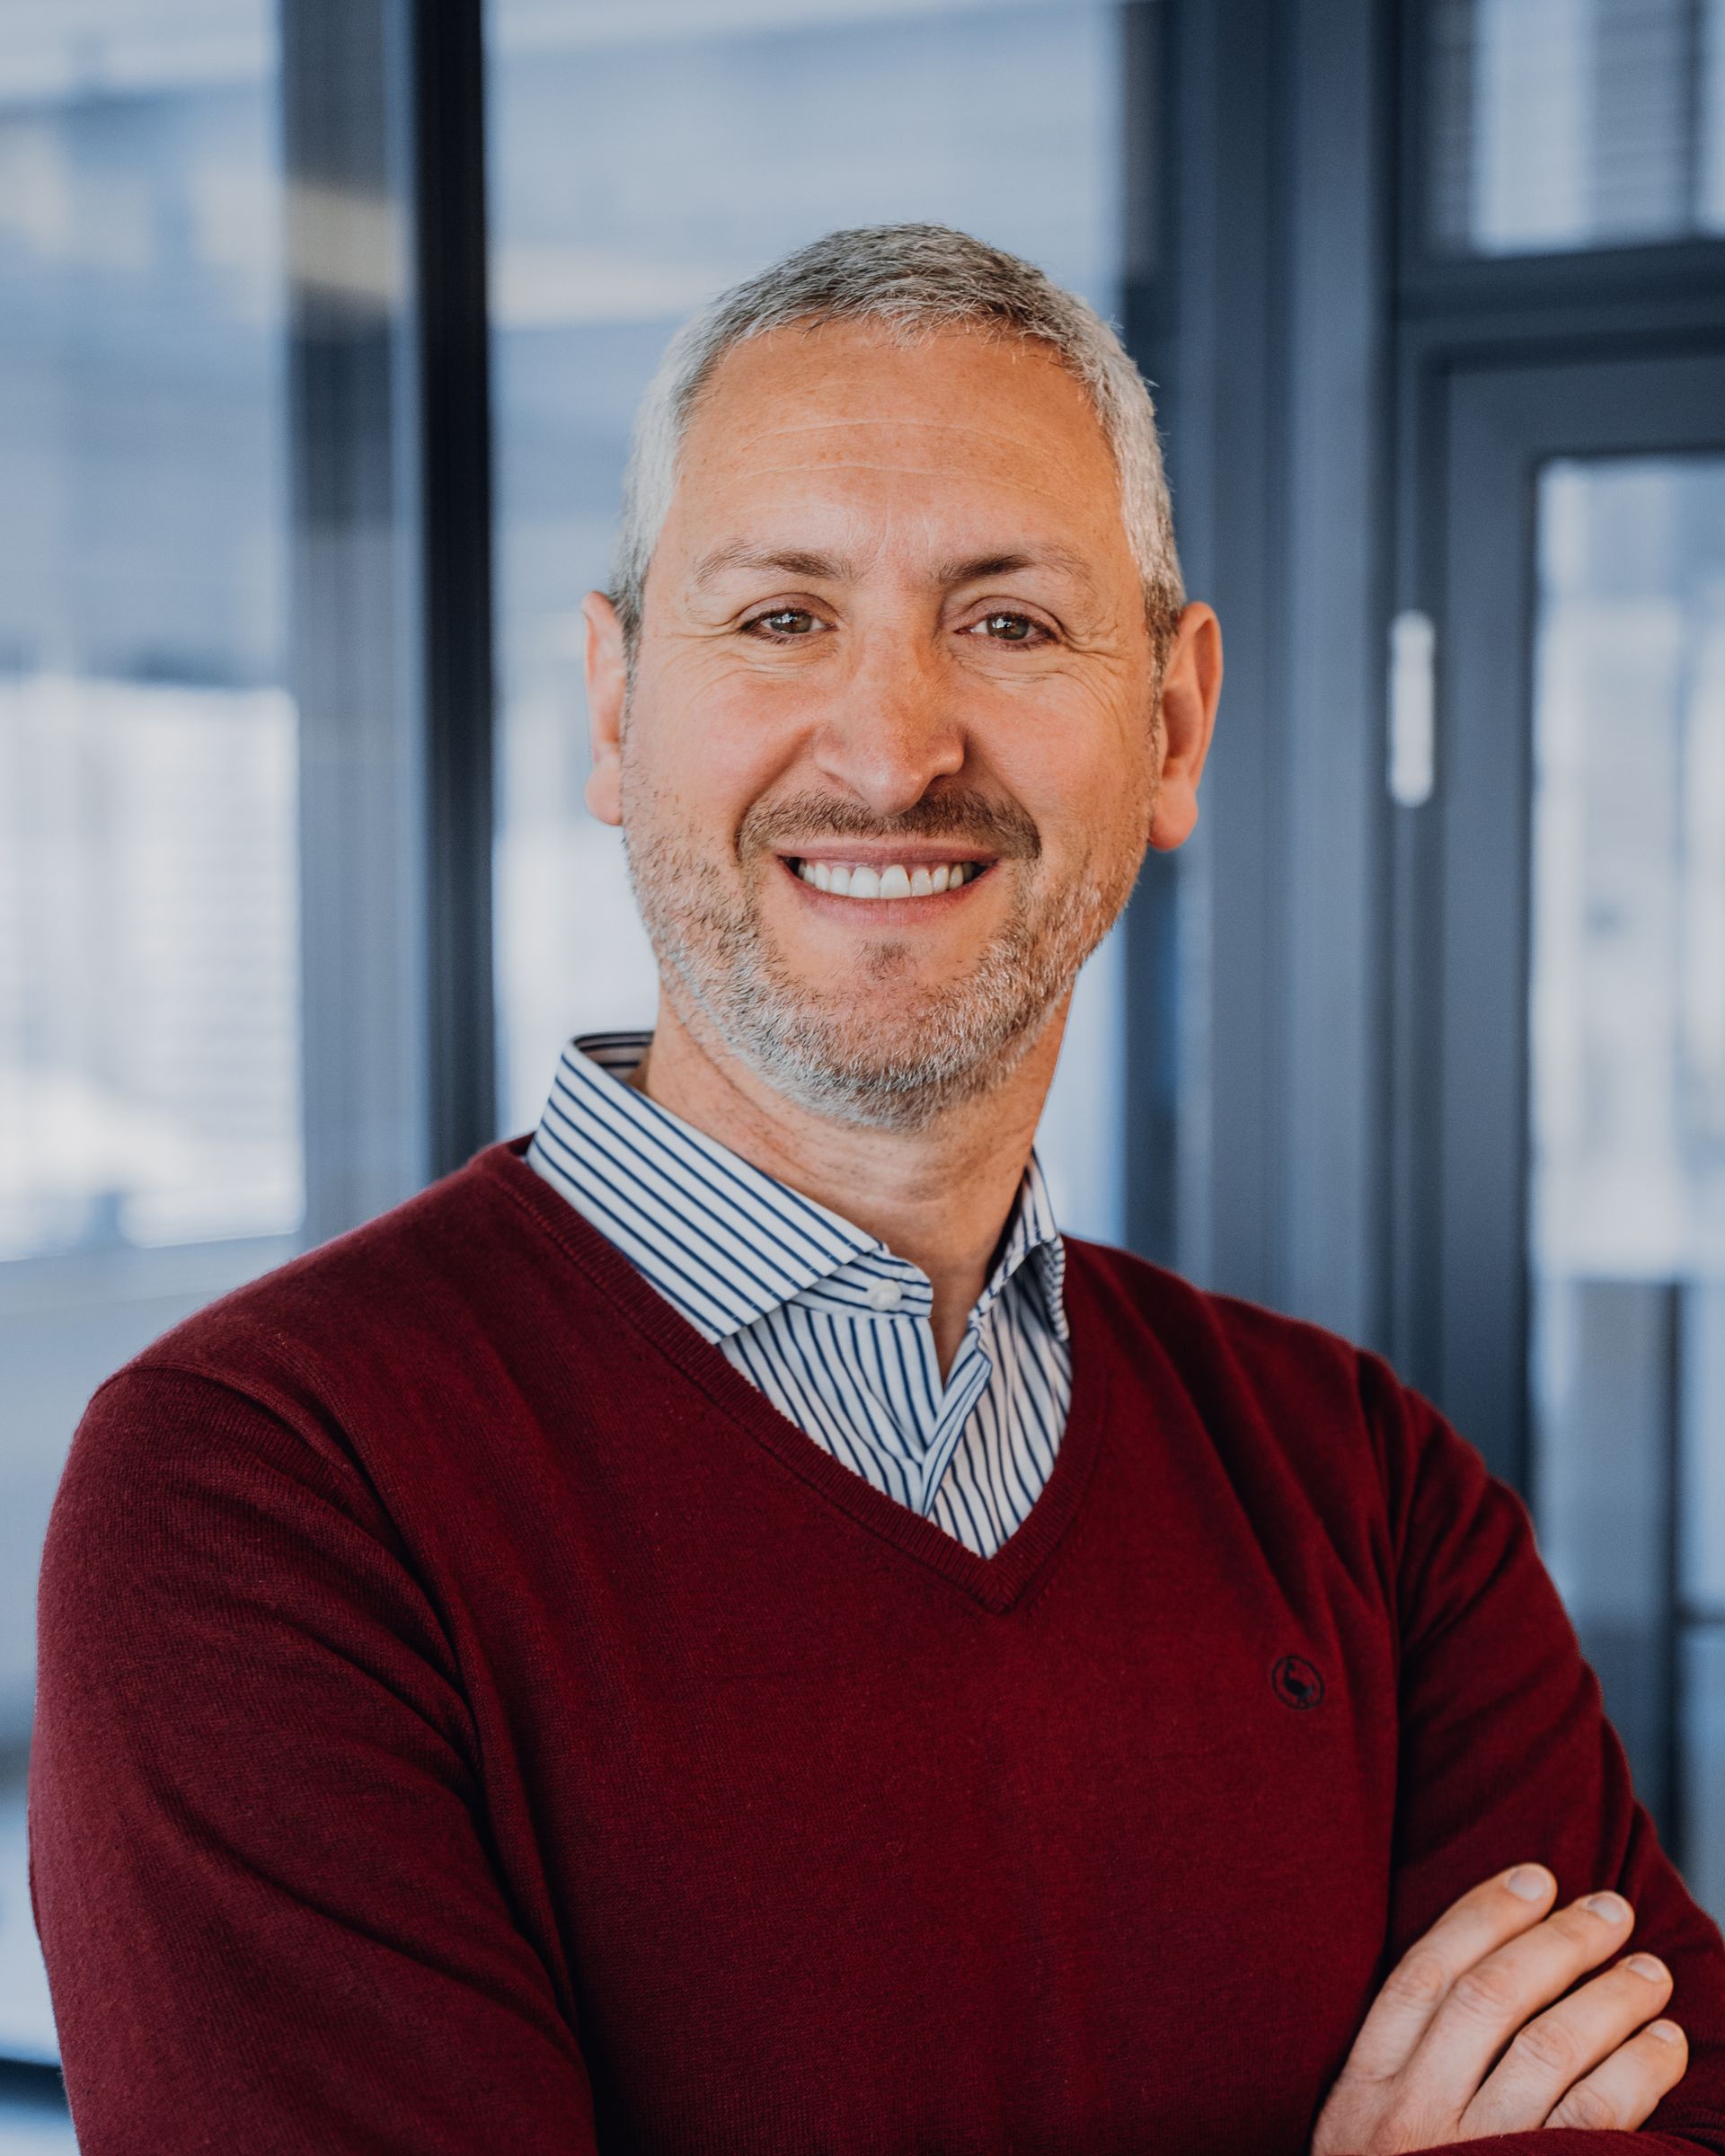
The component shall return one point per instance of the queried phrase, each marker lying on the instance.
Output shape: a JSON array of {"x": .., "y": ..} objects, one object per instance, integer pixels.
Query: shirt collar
[
  {"x": 719, "y": 1239},
  {"x": 1033, "y": 1233}
]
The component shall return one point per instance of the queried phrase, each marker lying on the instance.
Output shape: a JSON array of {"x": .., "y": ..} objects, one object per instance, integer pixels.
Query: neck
[{"x": 938, "y": 1197}]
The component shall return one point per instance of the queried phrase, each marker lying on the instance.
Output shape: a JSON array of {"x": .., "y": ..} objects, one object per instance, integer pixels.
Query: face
[{"x": 894, "y": 746}]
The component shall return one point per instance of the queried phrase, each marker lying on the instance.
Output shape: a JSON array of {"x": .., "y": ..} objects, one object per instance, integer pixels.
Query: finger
[
  {"x": 1557, "y": 2048},
  {"x": 1623, "y": 2093},
  {"x": 1488, "y": 2003},
  {"x": 1484, "y": 1918}
]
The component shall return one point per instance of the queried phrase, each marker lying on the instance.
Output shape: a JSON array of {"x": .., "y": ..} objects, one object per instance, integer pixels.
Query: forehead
[{"x": 960, "y": 429}]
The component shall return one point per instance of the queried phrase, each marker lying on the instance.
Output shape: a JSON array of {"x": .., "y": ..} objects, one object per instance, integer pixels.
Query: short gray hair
[{"x": 912, "y": 278}]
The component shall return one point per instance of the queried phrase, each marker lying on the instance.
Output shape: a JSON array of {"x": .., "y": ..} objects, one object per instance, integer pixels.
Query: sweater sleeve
[
  {"x": 1506, "y": 1754},
  {"x": 259, "y": 1857}
]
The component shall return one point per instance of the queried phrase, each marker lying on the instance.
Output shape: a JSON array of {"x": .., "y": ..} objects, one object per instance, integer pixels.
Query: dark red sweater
[{"x": 473, "y": 1720}]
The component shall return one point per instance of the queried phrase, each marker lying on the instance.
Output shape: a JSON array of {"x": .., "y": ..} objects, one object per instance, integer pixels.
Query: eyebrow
[
  {"x": 791, "y": 560},
  {"x": 980, "y": 566},
  {"x": 833, "y": 569}
]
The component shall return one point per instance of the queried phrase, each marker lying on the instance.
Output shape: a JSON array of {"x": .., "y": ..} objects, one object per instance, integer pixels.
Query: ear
[
  {"x": 608, "y": 682},
  {"x": 1190, "y": 686}
]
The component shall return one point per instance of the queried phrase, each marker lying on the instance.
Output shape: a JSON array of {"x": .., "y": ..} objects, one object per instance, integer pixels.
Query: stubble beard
[{"x": 936, "y": 1047}]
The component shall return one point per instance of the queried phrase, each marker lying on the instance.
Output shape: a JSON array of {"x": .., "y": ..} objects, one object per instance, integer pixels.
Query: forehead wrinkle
[
  {"x": 1040, "y": 443},
  {"x": 1021, "y": 482},
  {"x": 991, "y": 434},
  {"x": 859, "y": 464}
]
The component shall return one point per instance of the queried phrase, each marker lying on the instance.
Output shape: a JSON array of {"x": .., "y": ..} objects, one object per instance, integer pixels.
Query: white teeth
[{"x": 894, "y": 882}]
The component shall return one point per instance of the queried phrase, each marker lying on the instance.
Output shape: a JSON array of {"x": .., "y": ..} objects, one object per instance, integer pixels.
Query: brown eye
[
  {"x": 785, "y": 621},
  {"x": 1010, "y": 628}
]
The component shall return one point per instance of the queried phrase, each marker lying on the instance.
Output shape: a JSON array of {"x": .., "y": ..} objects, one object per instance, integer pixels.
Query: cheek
[
  {"x": 697, "y": 768},
  {"x": 1087, "y": 790}
]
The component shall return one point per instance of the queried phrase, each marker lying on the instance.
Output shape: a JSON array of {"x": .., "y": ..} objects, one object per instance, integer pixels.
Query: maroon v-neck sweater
[{"x": 473, "y": 1720}]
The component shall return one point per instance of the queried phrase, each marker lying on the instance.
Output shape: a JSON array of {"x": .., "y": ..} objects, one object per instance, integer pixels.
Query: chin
[{"x": 898, "y": 1071}]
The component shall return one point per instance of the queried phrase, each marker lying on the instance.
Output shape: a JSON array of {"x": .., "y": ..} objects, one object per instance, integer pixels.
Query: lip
[{"x": 875, "y": 852}]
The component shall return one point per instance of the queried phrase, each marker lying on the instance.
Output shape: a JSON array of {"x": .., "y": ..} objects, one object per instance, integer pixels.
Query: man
[{"x": 716, "y": 1630}]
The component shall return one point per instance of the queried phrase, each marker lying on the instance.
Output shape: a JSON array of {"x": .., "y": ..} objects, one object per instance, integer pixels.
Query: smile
[{"x": 893, "y": 879}]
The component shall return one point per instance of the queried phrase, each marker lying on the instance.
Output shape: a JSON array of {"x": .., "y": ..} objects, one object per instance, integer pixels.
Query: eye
[
  {"x": 783, "y": 623},
  {"x": 1002, "y": 627}
]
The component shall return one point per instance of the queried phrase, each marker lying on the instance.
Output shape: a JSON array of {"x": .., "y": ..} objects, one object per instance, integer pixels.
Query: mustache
[{"x": 962, "y": 817}]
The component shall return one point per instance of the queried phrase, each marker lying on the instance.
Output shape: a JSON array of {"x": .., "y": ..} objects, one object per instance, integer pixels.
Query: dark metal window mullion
[
  {"x": 452, "y": 338},
  {"x": 352, "y": 665},
  {"x": 391, "y": 665}
]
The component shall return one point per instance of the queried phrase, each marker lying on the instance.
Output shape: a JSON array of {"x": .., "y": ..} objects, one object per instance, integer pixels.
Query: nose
[{"x": 892, "y": 726}]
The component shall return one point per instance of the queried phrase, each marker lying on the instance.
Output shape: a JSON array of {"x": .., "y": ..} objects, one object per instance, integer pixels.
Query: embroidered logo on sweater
[{"x": 1298, "y": 1684}]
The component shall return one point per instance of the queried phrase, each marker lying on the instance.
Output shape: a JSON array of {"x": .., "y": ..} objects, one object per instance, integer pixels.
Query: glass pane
[
  {"x": 1627, "y": 1207},
  {"x": 1561, "y": 124},
  {"x": 1704, "y": 1794},
  {"x": 1702, "y": 1519},
  {"x": 148, "y": 969},
  {"x": 639, "y": 163},
  {"x": 148, "y": 1049}
]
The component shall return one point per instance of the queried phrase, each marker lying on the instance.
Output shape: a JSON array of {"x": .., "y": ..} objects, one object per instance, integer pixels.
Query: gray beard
[{"x": 949, "y": 1044}]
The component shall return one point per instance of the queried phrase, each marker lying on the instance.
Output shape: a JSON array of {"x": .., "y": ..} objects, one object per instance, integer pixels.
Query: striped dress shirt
[{"x": 820, "y": 1317}]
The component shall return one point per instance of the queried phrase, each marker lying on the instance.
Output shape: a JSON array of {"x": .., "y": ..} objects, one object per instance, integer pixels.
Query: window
[
  {"x": 147, "y": 962},
  {"x": 641, "y": 160},
  {"x": 1561, "y": 124},
  {"x": 1627, "y": 1198}
]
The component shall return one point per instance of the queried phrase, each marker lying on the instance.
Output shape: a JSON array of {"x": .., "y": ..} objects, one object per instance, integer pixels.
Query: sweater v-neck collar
[{"x": 998, "y": 1584}]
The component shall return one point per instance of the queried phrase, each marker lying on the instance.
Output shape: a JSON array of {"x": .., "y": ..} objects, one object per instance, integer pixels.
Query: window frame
[{"x": 1432, "y": 281}]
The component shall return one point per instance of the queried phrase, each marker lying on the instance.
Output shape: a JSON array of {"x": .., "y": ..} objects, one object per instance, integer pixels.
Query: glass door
[{"x": 1576, "y": 1013}]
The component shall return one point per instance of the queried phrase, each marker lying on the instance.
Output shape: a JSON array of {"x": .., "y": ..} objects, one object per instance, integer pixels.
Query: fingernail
[
  {"x": 1613, "y": 1907},
  {"x": 1668, "y": 2032},
  {"x": 1530, "y": 1881},
  {"x": 1645, "y": 1965}
]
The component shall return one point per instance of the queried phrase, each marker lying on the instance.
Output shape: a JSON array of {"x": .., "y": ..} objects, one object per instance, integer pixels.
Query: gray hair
[{"x": 912, "y": 278}]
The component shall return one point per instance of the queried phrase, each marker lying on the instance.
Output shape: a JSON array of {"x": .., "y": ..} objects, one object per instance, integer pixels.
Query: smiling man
[{"x": 716, "y": 1628}]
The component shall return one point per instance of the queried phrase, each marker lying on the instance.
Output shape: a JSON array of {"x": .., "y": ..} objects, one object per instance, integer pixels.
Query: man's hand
[{"x": 1429, "y": 2065}]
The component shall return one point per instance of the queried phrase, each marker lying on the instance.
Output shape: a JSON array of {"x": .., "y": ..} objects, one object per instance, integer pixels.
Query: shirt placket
[{"x": 967, "y": 1381}]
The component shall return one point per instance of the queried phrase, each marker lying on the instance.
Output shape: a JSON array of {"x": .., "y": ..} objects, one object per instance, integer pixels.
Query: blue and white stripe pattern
[{"x": 821, "y": 1318}]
